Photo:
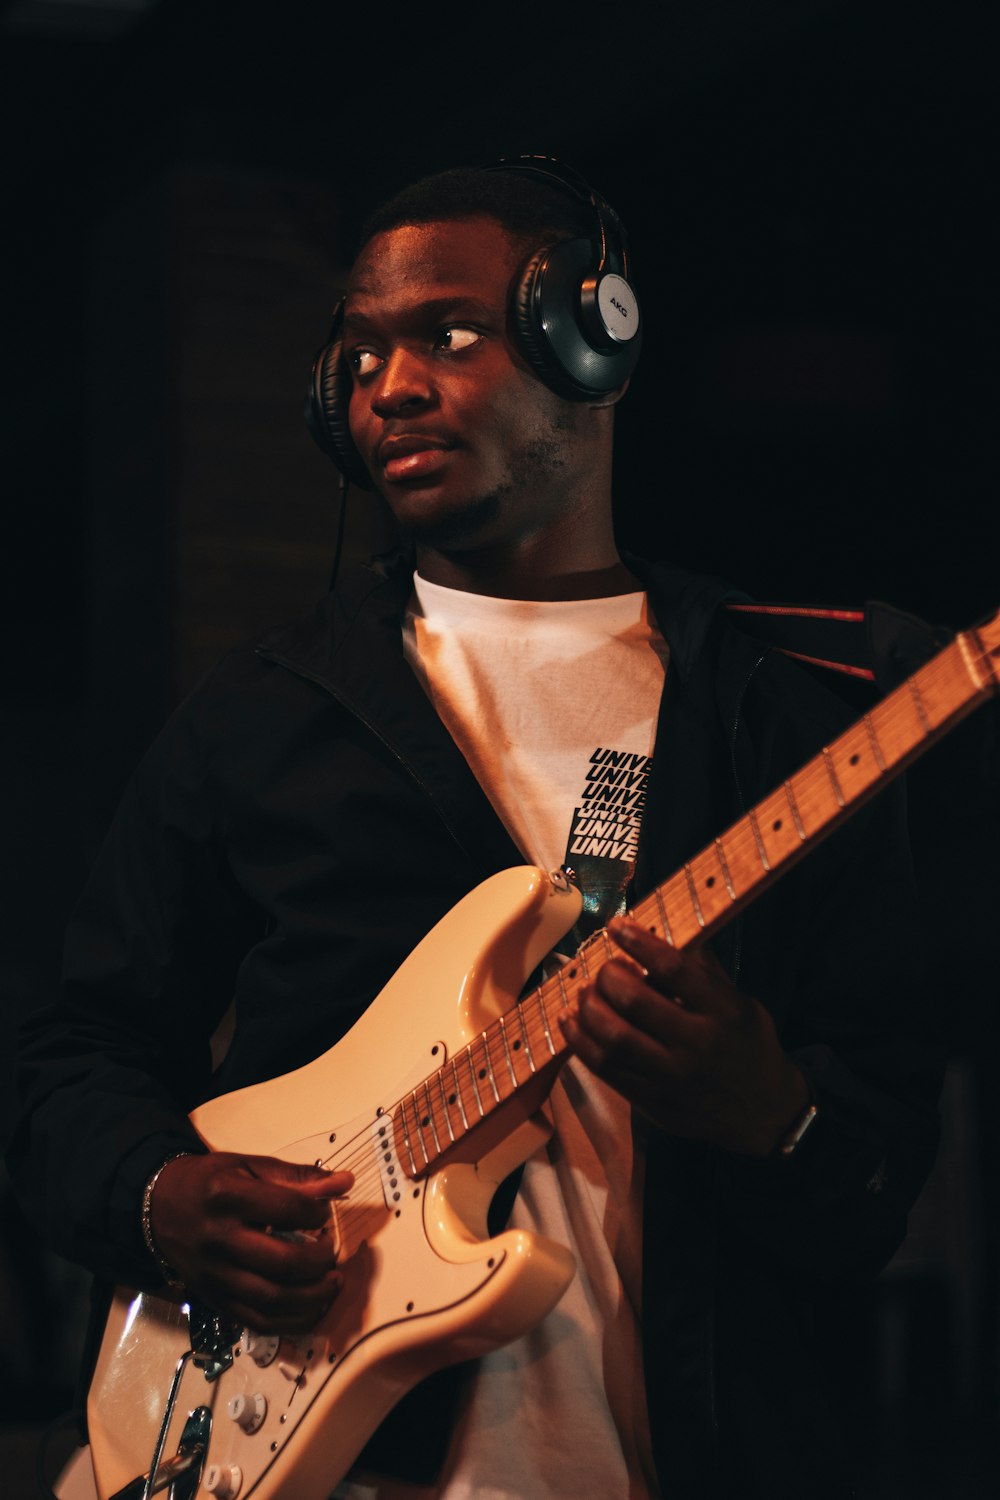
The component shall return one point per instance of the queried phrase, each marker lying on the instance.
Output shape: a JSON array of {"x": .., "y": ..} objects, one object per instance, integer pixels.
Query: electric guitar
[{"x": 430, "y": 1124}]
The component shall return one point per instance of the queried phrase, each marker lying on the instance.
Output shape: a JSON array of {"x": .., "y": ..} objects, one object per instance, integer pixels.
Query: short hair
[{"x": 527, "y": 207}]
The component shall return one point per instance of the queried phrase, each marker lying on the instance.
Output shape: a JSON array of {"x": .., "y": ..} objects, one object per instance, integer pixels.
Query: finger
[
  {"x": 285, "y": 1262},
  {"x": 253, "y": 1198},
  {"x": 605, "y": 1039},
  {"x": 300, "y": 1176},
  {"x": 629, "y": 993},
  {"x": 693, "y": 976},
  {"x": 267, "y": 1307}
]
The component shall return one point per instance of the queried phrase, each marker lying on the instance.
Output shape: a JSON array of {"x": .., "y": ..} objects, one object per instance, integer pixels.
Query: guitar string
[{"x": 740, "y": 842}]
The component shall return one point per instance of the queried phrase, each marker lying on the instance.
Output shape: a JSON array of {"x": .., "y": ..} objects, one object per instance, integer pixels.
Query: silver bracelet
[{"x": 168, "y": 1273}]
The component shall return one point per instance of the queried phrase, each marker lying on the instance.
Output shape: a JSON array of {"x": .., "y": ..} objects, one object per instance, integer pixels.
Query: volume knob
[
  {"x": 223, "y": 1480},
  {"x": 248, "y": 1412},
  {"x": 261, "y": 1347}
]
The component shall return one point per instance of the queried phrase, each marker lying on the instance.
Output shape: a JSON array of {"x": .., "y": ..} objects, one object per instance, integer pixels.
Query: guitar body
[{"x": 423, "y": 1285}]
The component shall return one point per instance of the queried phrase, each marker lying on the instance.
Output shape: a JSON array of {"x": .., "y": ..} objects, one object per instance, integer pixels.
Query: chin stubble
[{"x": 466, "y": 526}]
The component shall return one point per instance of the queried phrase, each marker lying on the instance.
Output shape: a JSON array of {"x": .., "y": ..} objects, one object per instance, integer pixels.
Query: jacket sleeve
[
  {"x": 108, "y": 1070},
  {"x": 835, "y": 951}
]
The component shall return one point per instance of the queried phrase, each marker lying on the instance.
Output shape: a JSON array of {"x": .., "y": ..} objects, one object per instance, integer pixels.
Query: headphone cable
[{"x": 345, "y": 484}]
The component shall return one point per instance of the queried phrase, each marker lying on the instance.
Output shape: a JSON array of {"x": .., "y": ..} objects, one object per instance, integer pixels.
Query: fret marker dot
[
  {"x": 854, "y": 759},
  {"x": 451, "y": 1098},
  {"x": 482, "y": 1072},
  {"x": 710, "y": 882},
  {"x": 425, "y": 1122},
  {"x": 516, "y": 1045},
  {"x": 776, "y": 825}
]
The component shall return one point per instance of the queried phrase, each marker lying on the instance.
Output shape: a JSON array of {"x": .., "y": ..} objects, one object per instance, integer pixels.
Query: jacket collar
[{"x": 351, "y": 645}]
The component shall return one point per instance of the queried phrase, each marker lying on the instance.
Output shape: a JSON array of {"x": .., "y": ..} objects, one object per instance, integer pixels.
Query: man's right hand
[{"x": 231, "y": 1227}]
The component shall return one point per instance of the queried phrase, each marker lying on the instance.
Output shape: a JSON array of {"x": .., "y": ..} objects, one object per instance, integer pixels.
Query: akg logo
[{"x": 616, "y": 304}]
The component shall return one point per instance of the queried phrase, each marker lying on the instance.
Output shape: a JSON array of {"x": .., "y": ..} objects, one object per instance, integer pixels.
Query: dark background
[{"x": 811, "y": 193}]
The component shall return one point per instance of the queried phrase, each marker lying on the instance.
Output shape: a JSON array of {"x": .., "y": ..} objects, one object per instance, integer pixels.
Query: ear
[{"x": 612, "y": 399}]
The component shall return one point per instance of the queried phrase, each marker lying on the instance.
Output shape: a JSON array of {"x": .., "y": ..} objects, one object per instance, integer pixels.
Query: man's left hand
[{"x": 670, "y": 1031}]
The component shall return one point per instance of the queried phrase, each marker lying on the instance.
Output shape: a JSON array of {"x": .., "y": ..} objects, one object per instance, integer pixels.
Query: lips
[{"x": 412, "y": 455}]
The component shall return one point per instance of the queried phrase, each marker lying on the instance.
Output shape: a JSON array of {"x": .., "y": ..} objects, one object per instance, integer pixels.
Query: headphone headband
[{"x": 550, "y": 172}]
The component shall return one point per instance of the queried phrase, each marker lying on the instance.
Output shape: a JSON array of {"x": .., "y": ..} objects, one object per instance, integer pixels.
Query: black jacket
[{"x": 302, "y": 822}]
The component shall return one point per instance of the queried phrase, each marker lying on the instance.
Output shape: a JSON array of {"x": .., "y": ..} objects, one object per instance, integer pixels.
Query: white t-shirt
[{"x": 554, "y": 706}]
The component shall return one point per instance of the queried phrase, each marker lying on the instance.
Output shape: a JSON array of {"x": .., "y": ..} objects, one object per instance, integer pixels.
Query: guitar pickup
[{"x": 389, "y": 1171}]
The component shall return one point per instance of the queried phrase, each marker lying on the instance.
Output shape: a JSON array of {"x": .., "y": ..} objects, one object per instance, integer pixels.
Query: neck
[{"x": 576, "y": 559}]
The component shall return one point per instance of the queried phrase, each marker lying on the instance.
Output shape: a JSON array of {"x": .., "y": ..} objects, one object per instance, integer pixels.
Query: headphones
[{"x": 574, "y": 316}]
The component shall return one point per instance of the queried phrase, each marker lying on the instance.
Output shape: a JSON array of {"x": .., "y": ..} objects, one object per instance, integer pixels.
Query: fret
[
  {"x": 724, "y": 867},
  {"x": 828, "y": 762},
  {"x": 429, "y": 1119},
  {"x": 458, "y": 1093},
  {"x": 581, "y": 954},
  {"x": 971, "y": 666},
  {"x": 400, "y": 1116},
  {"x": 755, "y": 828},
  {"x": 850, "y": 760},
  {"x": 487, "y": 1070},
  {"x": 444, "y": 1107},
  {"x": 414, "y": 1133},
  {"x": 475, "y": 1084},
  {"x": 918, "y": 704},
  {"x": 664, "y": 922},
  {"x": 418, "y": 1129},
  {"x": 873, "y": 740},
  {"x": 779, "y": 833},
  {"x": 527, "y": 1039},
  {"x": 693, "y": 891},
  {"x": 544, "y": 1013},
  {"x": 506, "y": 1048},
  {"x": 936, "y": 692},
  {"x": 793, "y": 808}
]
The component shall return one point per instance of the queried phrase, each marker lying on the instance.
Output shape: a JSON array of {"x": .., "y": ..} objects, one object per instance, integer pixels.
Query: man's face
[{"x": 467, "y": 445}]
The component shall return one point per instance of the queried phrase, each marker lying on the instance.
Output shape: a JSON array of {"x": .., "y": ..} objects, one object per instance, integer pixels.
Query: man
[{"x": 325, "y": 798}]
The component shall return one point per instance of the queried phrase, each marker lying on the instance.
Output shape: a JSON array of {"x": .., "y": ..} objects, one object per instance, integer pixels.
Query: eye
[
  {"x": 457, "y": 337},
  {"x": 363, "y": 362}
]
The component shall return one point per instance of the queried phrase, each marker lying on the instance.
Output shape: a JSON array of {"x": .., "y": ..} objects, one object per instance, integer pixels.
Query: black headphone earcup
[
  {"x": 530, "y": 337},
  {"x": 327, "y": 403},
  {"x": 546, "y": 321}
]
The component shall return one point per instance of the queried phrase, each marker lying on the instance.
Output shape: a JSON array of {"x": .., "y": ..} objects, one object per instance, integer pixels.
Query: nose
[{"x": 402, "y": 383}]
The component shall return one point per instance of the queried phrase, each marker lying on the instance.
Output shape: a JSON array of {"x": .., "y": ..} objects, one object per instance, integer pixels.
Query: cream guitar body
[{"x": 423, "y": 1285}]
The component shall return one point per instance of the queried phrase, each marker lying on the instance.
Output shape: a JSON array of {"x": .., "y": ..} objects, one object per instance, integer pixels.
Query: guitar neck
[{"x": 707, "y": 891}]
